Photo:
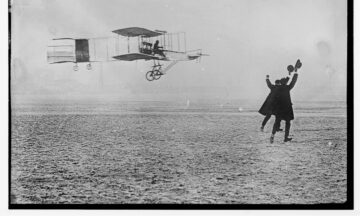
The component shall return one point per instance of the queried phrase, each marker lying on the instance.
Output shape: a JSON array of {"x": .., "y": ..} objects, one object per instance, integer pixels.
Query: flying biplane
[{"x": 129, "y": 44}]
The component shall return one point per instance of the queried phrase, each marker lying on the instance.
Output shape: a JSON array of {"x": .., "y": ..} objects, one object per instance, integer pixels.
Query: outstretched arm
[
  {"x": 268, "y": 82},
  {"x": 293, "y": 81}
]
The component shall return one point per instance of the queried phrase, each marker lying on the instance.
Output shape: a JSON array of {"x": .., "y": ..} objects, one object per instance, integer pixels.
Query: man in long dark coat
[
  {"x": 282, "y": 107},
  {"x": 267, "y": 107}
]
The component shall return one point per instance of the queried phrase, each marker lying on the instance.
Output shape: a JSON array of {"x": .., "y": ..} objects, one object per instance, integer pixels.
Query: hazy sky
[{"x": 246, "y": 40}]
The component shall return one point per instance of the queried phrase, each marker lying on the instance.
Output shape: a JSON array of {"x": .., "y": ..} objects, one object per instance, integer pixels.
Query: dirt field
[{"x": 125, "y": 154}]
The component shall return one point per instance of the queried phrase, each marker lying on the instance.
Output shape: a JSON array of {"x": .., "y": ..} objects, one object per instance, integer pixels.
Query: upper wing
[
  {"x": 136, "y": 56},
  {"x": 136, "y": 31}
]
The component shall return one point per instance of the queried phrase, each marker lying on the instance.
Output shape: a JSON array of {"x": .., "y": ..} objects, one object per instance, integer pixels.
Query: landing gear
[
  {"x": 149, "y": 76},
  {"x": 155, "y": 73},
  {"x": 76, "y": 67}
]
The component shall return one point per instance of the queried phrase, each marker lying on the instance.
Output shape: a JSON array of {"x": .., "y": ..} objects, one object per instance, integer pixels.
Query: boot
[{"x": 287, "y": 139}]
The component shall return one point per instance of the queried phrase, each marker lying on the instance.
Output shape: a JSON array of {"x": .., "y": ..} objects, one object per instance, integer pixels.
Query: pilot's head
[{"x": 277, "y": 82}]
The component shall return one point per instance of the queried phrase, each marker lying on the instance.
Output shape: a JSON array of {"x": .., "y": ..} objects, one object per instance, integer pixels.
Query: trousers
[
  {"x": 277, "y": 125},
  {"x": 266, "y": 119}
]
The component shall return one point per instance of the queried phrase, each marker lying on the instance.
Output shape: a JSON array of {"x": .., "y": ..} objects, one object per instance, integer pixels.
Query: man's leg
[
  {"x": 266, "y": 119},
  {"x": 279, "y": 129},
  {"x": 275, "y": 128},
  {"x": 287, "y": 131}
]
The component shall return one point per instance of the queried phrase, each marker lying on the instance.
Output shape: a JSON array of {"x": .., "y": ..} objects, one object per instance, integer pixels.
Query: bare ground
[{"x": 181, "y": 157}]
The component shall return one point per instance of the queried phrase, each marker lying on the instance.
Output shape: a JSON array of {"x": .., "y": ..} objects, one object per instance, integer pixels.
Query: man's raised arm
[
  {"x": 268, "y": 82},
  {"x": 293, "y": 81}
]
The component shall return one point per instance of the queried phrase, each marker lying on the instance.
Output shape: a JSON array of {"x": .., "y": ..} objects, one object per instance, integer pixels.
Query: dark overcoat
[
  {"x": 266, "y": 108},
  {"x": 282, "y": 105}
]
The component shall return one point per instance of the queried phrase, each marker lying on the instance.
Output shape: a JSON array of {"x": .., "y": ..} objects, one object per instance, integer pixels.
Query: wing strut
[{"x": 128, "y": 44}]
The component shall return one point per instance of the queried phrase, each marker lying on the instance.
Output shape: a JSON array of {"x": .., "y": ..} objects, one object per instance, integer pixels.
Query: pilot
[{"x": 158, "y": 49}]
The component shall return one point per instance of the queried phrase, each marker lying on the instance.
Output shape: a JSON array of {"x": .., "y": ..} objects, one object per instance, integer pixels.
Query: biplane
[{"x": 129, "y": 44}]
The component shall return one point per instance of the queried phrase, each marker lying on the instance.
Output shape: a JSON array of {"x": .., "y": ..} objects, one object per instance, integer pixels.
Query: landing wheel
[
  {"x": 157, "y": 74},
  {"x": 150, "y": 76},
  {"x": 88, "y": 66},
  {"x": 76, "y": 68}
]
